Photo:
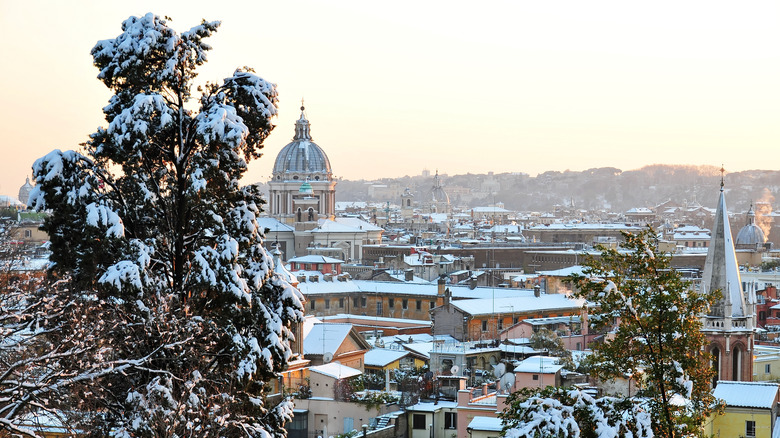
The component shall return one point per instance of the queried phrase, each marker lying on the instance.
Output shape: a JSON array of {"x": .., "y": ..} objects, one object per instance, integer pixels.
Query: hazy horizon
[{"x": 392, "y": 90}]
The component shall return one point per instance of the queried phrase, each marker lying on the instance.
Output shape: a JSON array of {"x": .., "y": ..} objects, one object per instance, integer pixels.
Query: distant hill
[{"x": 605, "y": 188}]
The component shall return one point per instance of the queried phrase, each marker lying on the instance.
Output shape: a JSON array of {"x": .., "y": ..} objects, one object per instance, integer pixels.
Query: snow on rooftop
[
  {"x": 489, "y": 424},
  {"x": 335, "y": 370},
  {"x": 380, "y": 357},
  {"x": 273, "y": 225},
  {"x": 364, "y": 319},
  {"x": 422, "y": 348},
  {"x": 585, "y": 226},
  {"x": 358, "y": 224},
  {"x": 432, "y": 407},
  {"x": 538, "y": 364},
  {"x": 565, "y": 272},
  {"x": 325, "y": 338},
  {"x": 747, "y": 394},
  {"x": 489, "y": 306},
  {"x": 314, "y": 259}
]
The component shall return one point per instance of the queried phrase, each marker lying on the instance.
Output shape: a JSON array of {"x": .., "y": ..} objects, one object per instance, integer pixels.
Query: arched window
[
  {"x": 311, "y": 214},
  {"x": 736, "y": 366},
  {"x": 715, "y": 365},
  {"x": 408, "y": 202},
  {"x": 300, "y": 214}
]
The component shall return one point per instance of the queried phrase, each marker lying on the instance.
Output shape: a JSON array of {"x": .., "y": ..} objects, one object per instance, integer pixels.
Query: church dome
[
  {"x": 24, "y": 191},
  {"x": 751, "y": 234},
  {"x": 302, "y": 158},
  {"x": 438, "y": 195}
]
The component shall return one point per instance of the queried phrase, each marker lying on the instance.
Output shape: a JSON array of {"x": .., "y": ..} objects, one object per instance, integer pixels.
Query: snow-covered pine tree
[{"x": 150, "y": 223}]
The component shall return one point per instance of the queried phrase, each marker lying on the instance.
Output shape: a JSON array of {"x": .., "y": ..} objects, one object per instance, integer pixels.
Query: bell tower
[{"x": 729, "y": 324}]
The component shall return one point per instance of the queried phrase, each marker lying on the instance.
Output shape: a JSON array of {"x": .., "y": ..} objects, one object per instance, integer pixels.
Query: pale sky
[{"x": 392, "y": 88}]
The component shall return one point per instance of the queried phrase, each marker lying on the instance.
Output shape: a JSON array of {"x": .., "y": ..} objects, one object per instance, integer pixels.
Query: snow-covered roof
[
  {"x": 516, "y": 349},
  {"x": 490, "y": 210},
  {"x": 335, "y": 370},
  {"x": 380, "y": 357},
  {"x": 358, "y": 224},
  {"x": 564, "y": 272},
  {"x": 538, "y": 364},
  {"x": 273, "y": 225},
  {"x": 325, "y": 338},
  {"x": 747, "y": 394},
  {"x": 639, "y": 210},
  {"x": 403, "y": 288},
  {"x": 314, "y": 259},
  {"x": 528, "y": 303},
  {"x": 432, "y": 407},
  {"x": 308, "y": 323},
  {"x": 343, "y": 226},
  {"x": 364, "y": 318},
  {"x": 585, "y": 226},
  {"x": 422, "y": 348},
  {"x": 490, "y": 424}
]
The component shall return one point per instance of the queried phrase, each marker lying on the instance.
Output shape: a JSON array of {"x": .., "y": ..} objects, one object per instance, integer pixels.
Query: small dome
[
  {"x": 751, "y": 234},
  {"x": 306, "y": 188},
  {"x": 438, "y": 195},
  {"x": 302, "y": 157},
  {"x": 24, "y": 191}
]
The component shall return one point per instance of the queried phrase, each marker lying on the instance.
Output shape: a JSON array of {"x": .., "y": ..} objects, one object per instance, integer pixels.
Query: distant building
[
  {"x": 302, "y": 187},
  {"x": 303, "y": 203}
]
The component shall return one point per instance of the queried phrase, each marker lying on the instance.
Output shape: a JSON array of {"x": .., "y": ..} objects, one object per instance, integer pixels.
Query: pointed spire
[
  {"x": 302, "y": 126},
  {"x": 721, "y": 271},
  {"x": 279, "y": 268}
]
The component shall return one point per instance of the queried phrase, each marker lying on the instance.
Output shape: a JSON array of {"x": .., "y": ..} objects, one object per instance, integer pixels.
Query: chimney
[
  {"x": 537, "y": 291},
  {"x": 409, "y": 274},
  {"x": 473, "y": 282},
  {"x": 441, "y": 284},
  {"x": 484, "y": 389},
  {"x": 447, "y": 296}
]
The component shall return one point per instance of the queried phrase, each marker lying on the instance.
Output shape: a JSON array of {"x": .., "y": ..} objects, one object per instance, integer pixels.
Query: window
[
  {"x": 379, "y": 308},
  {"x": 450, "y": 420},
  {"x": 418, "y": 422},
  {"x": 419, "y": 304},
  {"x": 349, "y": 424},
  {"x": 484, "y": 326},
  {"x": 750, "y": 428},
  {"x": 341, "y": 303},
  {"x": 536, "y": 377},
  {"x": 27, "y": 233},
  {"x": 391, "y": 302},
  {"x": 363, "y": 301},
  {"x": 299, "y": 425},
  {"x": 500, "y": 324},
  {"x": 327, "y": 304},
  {"x": 405, "y": 304},
  {"x": 431, "y": 304},
  {"x": 768, "y": 369},
  {"x": 355, "y": 301},
  {"x": 312, "y": 305}
]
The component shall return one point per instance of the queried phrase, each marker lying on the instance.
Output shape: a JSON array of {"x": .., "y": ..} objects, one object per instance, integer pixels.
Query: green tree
[
  {"x": 547, "y": 340},
  {"x": 656, "y": 337}
]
